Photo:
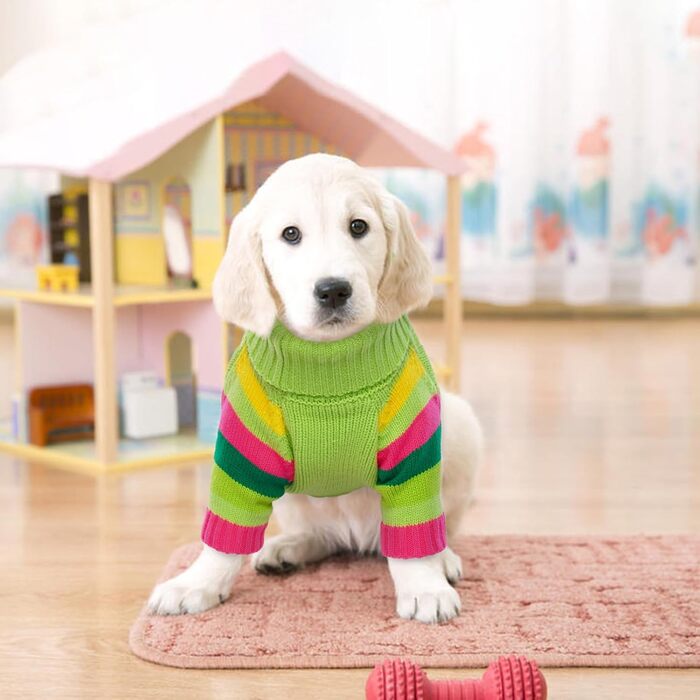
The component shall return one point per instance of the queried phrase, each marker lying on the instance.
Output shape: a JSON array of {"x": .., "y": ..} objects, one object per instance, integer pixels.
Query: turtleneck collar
[{"x": 333, "y": 368}]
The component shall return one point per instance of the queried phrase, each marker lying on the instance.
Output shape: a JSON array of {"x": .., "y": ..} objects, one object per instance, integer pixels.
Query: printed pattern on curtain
[
  {"x": 24, "y": 224},
  {"x": 655, "y": 109},
  {"x": 579, "y": 125}
]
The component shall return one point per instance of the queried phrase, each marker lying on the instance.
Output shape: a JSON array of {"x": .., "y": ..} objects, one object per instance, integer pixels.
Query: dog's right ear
[{"x": 240, "y": 290}]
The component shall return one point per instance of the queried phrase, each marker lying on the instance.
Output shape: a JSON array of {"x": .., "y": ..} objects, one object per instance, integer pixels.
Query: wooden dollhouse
[{"x": 157, "y": 213}]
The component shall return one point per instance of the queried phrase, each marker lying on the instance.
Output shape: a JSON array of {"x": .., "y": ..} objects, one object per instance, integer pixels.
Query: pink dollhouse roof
[{"x": 280, "y": 83}]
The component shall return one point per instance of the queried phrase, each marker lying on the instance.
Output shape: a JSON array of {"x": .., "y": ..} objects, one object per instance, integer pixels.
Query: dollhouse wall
[
  {"x": 138, "y": 209},
  {"x": 67, "y": 331},
  {"x": 196, "y": 319},
  {"x": 143, "y": 333},
  {"x": 260, "y": 140}
]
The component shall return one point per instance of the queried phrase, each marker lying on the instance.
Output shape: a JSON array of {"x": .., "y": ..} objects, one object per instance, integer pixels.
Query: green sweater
[{"x": 324, "y": 419}]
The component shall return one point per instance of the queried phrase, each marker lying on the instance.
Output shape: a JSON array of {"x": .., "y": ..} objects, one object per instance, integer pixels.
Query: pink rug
[{"x": 565, "y": 601}]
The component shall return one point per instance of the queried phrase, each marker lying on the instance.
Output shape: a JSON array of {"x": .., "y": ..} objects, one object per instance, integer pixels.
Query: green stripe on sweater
[
  {"x": 236, "y": 503},
  {"x": 414, "y": 501},
  {"x": 420, "y": 460},
  {"x": 244, "y": 471}
]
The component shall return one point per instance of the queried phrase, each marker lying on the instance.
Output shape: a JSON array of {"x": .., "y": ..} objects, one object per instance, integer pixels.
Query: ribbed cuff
[
  {"x": 230, "y": 538},
  {"x": 413, "y": 541}
]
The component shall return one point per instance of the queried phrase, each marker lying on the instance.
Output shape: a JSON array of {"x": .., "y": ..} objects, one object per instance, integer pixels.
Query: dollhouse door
[
  {"x": 180, "y": 376},
  {"x": 177, "y": 231}
]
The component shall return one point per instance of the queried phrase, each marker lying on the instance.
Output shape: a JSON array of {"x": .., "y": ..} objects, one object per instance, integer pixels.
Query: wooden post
[
  {"x": 453, "y": 293},
  {"x": 19, "y": 356},
  {"x": 223, "y": 231},
  {"x": 231, "y": 336},
  {"x": 104, "y": 321}
]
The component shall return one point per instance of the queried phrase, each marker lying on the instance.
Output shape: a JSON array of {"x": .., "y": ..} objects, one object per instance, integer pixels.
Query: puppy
[{"x": 321, "y": 267}]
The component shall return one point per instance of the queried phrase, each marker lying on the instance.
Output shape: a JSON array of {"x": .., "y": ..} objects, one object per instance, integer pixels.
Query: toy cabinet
[{"x": 69, "y": 232}]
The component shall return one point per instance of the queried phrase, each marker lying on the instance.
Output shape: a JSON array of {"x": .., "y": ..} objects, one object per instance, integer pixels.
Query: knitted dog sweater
[{"x": 324, "y": 419}]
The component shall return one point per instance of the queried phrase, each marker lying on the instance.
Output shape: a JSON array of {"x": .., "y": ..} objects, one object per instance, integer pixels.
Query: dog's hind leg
[{"x": 284, "y": 553}]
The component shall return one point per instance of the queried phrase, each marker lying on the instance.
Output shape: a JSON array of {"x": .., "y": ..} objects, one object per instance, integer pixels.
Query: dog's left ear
[{"x": 407, "y": 282}]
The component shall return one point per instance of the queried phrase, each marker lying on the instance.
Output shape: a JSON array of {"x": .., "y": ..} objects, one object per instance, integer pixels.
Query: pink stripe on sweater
[
  {"x": 416, "y": 435},
  {"x": 413, "y": 541},
  {"x": 251, "y": 446},
  {"x": 230, "y": 538}
]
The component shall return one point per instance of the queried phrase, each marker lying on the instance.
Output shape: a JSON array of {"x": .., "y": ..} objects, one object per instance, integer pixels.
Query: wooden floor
[{"x": 592, "y": 427}]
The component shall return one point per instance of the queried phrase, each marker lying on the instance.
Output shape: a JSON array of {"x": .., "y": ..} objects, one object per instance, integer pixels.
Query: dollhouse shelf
[
  {"x": 125, "y": 295},
  {"x": 131, "y": 296},
  {"x": 132, "y": 454},
  {"x": 82, "y": 297}
]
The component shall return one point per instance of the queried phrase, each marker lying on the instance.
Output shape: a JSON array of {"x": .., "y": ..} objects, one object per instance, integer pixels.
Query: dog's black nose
[{"x": 332, "y": 292}]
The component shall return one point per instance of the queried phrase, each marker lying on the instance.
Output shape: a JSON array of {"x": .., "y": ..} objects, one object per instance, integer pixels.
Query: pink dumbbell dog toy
[{"x": 508, "y": 678}]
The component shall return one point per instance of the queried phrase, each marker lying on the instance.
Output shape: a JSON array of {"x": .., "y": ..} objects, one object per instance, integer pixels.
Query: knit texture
[{"x": 325, "y": 419}]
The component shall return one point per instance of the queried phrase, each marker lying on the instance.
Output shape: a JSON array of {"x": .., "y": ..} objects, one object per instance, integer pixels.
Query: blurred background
[{"x": 577, "y": 123}]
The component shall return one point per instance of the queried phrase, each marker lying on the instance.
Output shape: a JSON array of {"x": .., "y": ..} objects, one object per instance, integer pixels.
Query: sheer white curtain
[{"x": 579, "y": 121}]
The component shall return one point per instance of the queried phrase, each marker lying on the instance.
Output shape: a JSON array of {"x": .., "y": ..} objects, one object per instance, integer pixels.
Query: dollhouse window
[{"x": 235, "y": 177}]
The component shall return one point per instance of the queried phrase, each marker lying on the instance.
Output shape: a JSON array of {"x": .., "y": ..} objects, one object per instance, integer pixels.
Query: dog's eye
[
  {"x": 292, "y": 235},
  {"x": 358, "y": 228}
]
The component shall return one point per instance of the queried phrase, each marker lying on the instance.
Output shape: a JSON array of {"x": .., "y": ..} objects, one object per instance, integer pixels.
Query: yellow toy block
[{"x": 57, "y": 278}]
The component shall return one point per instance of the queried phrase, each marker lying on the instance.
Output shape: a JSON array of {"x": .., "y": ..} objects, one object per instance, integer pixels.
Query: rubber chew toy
[{"x": 508, "y": 678}]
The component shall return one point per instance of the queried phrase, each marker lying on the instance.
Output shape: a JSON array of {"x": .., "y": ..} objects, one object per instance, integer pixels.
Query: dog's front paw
[
  {"x": 423, "y": 590},
  {"x": 205, "y": 584},
  {"x": 179, "y": 597},
  {"x": 428, "y": 606}
]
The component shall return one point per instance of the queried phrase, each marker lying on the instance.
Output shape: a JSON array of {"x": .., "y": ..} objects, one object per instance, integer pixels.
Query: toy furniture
[
  {"x": 154, "y": 202},
  {"x": 149, "y": 410},
  {"x": 508, "y": 678},
  {"x": 69, "y": 231},
  {"x": 57, "y": 278},
  {"x": 61, "y": 414}
]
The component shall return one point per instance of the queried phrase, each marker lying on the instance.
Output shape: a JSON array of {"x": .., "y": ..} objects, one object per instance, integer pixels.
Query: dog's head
[{"x": 324, "y": 247}]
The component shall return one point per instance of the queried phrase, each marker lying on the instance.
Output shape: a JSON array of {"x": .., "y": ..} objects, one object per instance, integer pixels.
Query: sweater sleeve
[
  {"x": 408, "y": 461},
  {"x": 252, "y": 463}
]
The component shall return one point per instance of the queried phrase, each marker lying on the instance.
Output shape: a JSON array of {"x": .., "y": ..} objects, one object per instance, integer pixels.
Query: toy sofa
[{"x": 61, "y": 413}]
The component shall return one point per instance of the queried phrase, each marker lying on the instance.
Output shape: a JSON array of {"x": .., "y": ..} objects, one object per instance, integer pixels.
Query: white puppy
[{"x": 262, "y": 278}]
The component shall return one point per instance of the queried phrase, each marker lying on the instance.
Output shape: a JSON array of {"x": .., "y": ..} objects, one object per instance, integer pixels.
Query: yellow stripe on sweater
[
  {"x": 269, "y": 413},
  {"x": 412, "y": 371}
]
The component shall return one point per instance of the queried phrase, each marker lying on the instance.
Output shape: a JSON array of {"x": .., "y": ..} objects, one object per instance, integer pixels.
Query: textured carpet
[{"x": 564, "y": 601}]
